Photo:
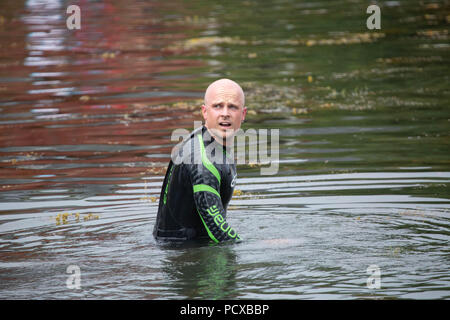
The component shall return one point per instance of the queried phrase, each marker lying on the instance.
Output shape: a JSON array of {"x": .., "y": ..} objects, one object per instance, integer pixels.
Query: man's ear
[
  {"x": 204, "y": 112},
  {"x": 244, "y": 113}
]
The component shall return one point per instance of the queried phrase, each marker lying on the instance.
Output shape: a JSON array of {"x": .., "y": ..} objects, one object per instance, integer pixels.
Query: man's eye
[{"x": 217, "y": 106}]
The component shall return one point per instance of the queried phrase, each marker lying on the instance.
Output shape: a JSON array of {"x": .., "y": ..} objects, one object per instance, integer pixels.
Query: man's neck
[
  {"x": 227, "y": 148},
  {"x": 220, "y": 140}
]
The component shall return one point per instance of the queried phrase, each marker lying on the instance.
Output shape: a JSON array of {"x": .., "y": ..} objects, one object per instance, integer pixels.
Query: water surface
[{"x": 86, "y": 119}]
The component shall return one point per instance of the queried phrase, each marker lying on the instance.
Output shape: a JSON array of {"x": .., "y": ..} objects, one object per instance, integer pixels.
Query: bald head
[
  {"x": 224, "y": 109},
  {"x": 224, "y": 87}
]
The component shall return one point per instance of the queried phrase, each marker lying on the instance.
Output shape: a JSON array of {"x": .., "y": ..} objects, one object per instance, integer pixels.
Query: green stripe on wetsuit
[
  {"x": 206, "y": 161},
  {"x": 167, "y": 185},
  {"x": 207, "y": 229},
  {"x": 205, "y": 187}
]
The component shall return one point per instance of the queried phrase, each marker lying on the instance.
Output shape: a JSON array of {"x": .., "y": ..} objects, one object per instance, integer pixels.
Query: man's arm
[
  {"x": 209, "y": 207},
  {"x": 205, "y": 180}
]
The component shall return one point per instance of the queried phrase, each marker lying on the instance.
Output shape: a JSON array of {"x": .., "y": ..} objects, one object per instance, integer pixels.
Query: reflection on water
[
  {"x": 202, "y": 272},
  {"x": 86, "y": 118}
]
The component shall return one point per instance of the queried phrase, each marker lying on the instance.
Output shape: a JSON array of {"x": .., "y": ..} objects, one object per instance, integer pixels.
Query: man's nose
[{"x": 225, "y": 112}]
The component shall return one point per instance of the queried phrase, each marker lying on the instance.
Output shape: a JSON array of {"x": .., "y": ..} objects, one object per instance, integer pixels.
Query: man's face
[{"x": 224, "y": 111}]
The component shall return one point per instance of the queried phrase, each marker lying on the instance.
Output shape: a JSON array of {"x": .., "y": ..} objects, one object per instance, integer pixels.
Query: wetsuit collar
[{"x": 209, "y": 138}]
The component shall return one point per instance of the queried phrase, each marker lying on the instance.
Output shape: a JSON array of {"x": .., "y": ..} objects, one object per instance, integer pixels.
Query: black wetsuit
[{"x": 197, "y": 188}]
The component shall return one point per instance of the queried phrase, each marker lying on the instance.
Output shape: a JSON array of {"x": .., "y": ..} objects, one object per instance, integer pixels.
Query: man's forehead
[
  {"x": 224, "y": 94},
  {"x": 226, "y": 99},
  {"x": 236, "y": 101}
]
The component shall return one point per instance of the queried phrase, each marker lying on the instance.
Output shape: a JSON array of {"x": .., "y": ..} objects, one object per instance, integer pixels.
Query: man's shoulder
[{"x": 187, "y": 151}]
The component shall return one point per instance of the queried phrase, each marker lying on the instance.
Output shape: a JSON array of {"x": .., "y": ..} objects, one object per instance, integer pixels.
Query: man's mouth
[{"x": 225, "y": 124}]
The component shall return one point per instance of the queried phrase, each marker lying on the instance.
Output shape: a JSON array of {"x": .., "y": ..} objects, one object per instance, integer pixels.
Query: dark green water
[{"x": 86, "y": 118}]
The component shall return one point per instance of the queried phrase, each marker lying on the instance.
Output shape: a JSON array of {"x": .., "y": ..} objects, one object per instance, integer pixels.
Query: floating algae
[
  {"x": 65, "y": 217},
  {"x": 204, "y": 42},
  {"x": 339, "y": 39}
]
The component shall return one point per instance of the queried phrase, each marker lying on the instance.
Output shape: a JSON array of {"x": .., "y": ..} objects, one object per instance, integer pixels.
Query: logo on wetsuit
[
  {"x": 233, "y": 182},
  {"x": 220, "y": 222}
]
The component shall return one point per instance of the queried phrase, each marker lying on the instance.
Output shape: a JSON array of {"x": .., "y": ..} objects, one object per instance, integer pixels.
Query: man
[{"x": 201, "y": 176}]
